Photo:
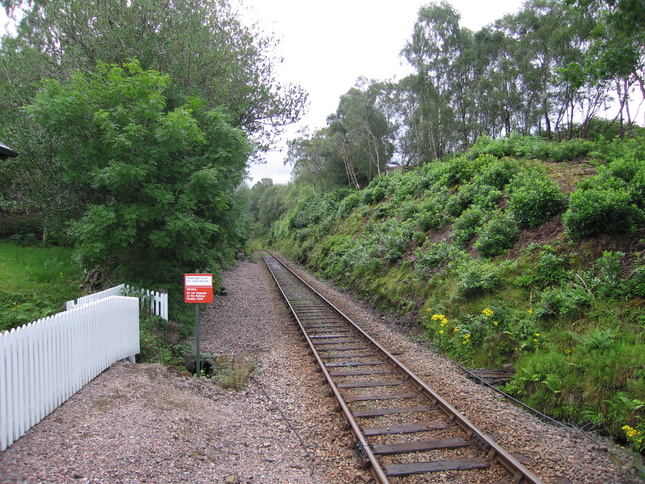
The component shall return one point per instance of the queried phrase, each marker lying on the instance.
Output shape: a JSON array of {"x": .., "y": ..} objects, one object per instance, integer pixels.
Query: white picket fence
[
  {"x": 156, "y": 302},
  {"x": 90, "y": 298},
  {"x": 45, "y": 362}
]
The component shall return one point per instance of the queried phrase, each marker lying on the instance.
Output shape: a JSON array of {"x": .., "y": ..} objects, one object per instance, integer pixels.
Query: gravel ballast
[{"x": 148, "y": 423}]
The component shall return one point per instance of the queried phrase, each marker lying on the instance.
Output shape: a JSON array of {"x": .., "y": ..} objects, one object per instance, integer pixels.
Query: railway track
[{"x": 404, "y": 430}]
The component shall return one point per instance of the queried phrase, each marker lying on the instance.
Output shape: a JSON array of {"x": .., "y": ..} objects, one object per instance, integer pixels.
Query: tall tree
[
  {"x": 432, "y": 51},
  {"x": 365, "y": 128},
  {"x": 617, "y": 49},
  {"x": 318, "y": 160},
  {"x": 154, "y": 186}
]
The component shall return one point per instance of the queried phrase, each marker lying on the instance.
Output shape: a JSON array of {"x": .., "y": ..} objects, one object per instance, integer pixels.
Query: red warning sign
[{"x": 198, "y": 288}]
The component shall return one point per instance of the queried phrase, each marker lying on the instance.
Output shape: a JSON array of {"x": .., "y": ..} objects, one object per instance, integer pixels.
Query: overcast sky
[{"x": 327, "y": 45}]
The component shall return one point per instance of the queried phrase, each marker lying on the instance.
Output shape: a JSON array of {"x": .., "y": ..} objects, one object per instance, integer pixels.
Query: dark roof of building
[{"x": 6, "y": 152}]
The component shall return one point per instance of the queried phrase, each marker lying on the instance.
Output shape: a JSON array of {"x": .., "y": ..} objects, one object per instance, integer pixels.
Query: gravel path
[{"x": 147, "y": 423}]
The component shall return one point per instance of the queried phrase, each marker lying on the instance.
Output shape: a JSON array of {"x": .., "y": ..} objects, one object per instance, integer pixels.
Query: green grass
[{"x": 35, "y": 282}]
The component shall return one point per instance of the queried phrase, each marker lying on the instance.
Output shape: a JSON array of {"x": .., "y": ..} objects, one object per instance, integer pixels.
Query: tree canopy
[
  {"x": 203, "y": 46},
  {"x": 151, "y": 188}
]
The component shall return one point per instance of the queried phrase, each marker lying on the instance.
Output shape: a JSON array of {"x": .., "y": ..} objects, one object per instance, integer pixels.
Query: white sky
[{"x": 328, "y": 45}]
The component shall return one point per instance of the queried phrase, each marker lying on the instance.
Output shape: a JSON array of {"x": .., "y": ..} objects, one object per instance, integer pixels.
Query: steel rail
[{"x": 494, "y": 453}]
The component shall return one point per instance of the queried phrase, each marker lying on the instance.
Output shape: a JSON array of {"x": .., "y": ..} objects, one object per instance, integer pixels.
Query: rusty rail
[{"x": 339, "y": 344}]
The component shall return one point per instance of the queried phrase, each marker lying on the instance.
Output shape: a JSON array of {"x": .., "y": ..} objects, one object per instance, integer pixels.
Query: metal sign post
[
  {"x": 198, "y": 288},
  {"x": 198, "y": 365}
]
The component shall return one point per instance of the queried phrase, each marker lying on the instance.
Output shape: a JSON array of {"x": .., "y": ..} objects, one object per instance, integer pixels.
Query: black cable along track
[{"x": 401, "y": 426}]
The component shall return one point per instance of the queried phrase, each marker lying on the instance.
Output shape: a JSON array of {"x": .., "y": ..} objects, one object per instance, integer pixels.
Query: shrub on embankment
[{"x": 519, "y": 251}]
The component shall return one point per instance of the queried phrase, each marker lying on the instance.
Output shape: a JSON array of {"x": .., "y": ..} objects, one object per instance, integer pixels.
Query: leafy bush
[
  {"x": 637, "y": 282},
  {"x": 609, "y": 281},
  {"x": 632, "y": 172},
  {"x": 499, "y": 173},
  {"x": 612, "y": 202},
  {"x": 149, "y": 178},
  {"x": 497, "y": 235},
  {"x": 437, "y": 256},
  {"x": 160, "y": 341},
  {"x": 487, "y": 196},
  {"x": 463, "y": 169},
  {"x": 550, "y": 269},
  {"x": 394, "y": 238},
  {"x": 477, "y": 277},
  {"x": 532, "y": 146},
  {"x": 499, "y": 148},
  {"x": 566, "y": 300},
  {"x": 348, "y": 204},
  {"x": 534, "y": 199},
  {"x": 456, "y": 204},
  {"x": 373, "y": 195},
  {"x": 466, "y": 226},
  {"x": 570, "y": 150},
  {"x": 601, "y": 211},
  {"x": 431, "y": 213}
]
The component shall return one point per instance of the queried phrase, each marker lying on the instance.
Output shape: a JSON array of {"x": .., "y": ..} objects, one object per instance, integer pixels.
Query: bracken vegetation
[{"x": 501, "y": 258}]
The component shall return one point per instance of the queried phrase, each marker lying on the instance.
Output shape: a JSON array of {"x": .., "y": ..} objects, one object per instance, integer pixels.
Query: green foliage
[
  {"x": 373, "y": 194},
  {"x": 431, "y": 213},
  {"x": 565, "y": 301},
  {"x": 497, "y": 235},
  {"x": 550, "y": 270},
  {"x": 395, "y": 239},
  {"x": 637, "y": 282},
  {"x": 436, "y": 257},
  {"x": 467, "y": 225},
  {"x": 499, "y": 173},
  {"x": 160, "y": 341},
  {"x": 35, "y": 282},
  {"x": 239, "y": 75},
  {"x": 534, "y": 198},
  {"x": 157, "y": 183},
  {"x": 477, "y": 277},
  {"x": 520, "y": 146},
  {"x": 609, "y": 281},
  {"x": 348, "y": 204},
  {"x": 612, "y": 202},
  {"x": 601, "y": 211}
]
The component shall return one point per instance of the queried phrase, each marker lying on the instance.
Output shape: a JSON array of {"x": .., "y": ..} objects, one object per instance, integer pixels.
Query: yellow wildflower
[
  {"x": 495, "y": 323},
  {"x": 630, "y": 431},
  {"x": 487, "y": 312},
  {"x": 441, "y": 331}
]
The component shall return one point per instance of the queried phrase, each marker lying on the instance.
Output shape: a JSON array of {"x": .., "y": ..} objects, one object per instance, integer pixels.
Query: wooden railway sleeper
[
  {"x": 491, "y": 456},
  {"x": 516, "y": 469}
]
